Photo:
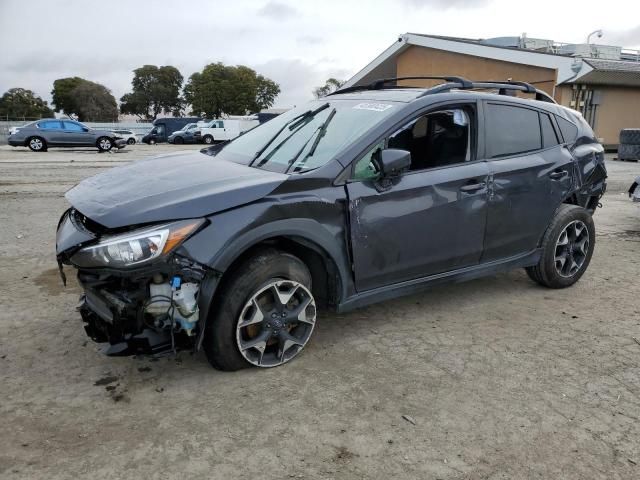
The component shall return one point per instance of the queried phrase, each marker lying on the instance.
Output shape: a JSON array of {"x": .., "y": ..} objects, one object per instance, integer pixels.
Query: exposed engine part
[{"x": 173, "y": 304}]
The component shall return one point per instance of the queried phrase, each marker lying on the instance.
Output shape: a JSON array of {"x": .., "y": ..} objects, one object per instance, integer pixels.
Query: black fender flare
[{"x": 308, "y": 232}]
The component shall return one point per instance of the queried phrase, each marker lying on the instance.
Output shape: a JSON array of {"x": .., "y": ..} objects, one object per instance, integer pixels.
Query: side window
[
  {"x": 220, "y": 124},
  {"x": 549, "y": 136},
  {"x": 367, "y": 167},
  {"x": 568, "y": 129},
  {"x": 437, "y": 139},
  {"x": 511, "y": 130},
  {"x": 50, "y": 125},
  {"x": 71, "y": 126}
]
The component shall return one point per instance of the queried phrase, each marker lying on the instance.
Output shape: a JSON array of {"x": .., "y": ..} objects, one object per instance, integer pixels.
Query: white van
[{"x": 227, "y": 129}]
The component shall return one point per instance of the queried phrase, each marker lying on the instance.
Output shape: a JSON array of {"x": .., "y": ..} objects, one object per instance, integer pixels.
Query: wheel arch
[{"x": 322, "y": 254}]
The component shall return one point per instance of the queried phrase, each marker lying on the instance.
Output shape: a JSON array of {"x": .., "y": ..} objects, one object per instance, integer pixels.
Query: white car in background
[{"x": 127, "y": 135}]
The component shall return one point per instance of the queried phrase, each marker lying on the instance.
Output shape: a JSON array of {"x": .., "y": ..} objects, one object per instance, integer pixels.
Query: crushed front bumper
[{"x": 118, "y": 307}]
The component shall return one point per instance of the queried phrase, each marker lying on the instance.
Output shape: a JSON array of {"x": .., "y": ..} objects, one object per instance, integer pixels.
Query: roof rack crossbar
[
  {"x": 501, "y": 86},
  {"x": 378, "y": 84},
  {"x": 528, "y": 87}
]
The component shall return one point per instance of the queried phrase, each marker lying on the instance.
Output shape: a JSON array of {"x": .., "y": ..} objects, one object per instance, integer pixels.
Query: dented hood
[{"x": 170, "y": 187}]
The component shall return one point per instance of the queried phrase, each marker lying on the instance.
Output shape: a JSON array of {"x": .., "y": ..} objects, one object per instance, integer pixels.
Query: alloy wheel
[
  {"x": 572, "y": 248},
  {"x": 276, "y": 323},
  {"x": 105, "y": 144},
  {"x": 36, "y": 144}
]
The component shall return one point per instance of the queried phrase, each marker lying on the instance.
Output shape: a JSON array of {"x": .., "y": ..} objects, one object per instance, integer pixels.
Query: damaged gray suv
[{"x": 367, "y": 194}]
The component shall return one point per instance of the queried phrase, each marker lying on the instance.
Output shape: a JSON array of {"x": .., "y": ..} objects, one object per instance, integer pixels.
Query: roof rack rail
[
  {"x": 454, "y": 82},
  {"x": 380, "y": 84}
]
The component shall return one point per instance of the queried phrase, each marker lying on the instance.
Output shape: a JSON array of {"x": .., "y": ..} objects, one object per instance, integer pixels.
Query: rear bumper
[{"x": 15, "y": 143}]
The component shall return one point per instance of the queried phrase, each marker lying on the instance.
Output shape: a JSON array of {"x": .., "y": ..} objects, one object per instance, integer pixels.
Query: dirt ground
[{"x": 498, "y": 378}]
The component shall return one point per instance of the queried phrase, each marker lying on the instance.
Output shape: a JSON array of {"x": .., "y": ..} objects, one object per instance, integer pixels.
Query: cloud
[
  {"x": 309, "y": 40},
  {"x": 447, "y": 4},
  {"x": 622, "y": 38},
  {"x": 277, "y": 10},
  {"x": 297, "y": 78}
]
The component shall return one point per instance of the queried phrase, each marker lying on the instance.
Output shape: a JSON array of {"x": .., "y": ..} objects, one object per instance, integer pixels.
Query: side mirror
[
  {"x": 85, "y": 129},
  {"x": 393, "y": 162}
]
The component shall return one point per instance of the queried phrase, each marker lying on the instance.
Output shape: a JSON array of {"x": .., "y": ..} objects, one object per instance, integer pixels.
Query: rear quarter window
[
  {"x": 569, "y": 130},
  {"x": 549, "y": 136}
]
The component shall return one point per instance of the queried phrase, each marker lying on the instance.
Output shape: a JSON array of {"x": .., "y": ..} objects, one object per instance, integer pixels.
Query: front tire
[
  {"x": 567, "y": 248},
  {"x": 104, "y": 144},
  {"x": 152, "y": 141},
  {"x": 208, "y": 139},
  {"x": 178, "y": 140},
  {"x": 37, "y": 144},
  {"x": 265, "y": 316}
]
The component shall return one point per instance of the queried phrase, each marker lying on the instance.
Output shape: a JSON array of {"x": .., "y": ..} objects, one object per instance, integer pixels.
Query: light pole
[{"x": 595, "y": 32}]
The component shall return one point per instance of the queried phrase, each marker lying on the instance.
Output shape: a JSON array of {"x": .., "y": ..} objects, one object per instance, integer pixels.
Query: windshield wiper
[
  {"x": 321, "y": 131},
  {"x": 295, "y": 122}
]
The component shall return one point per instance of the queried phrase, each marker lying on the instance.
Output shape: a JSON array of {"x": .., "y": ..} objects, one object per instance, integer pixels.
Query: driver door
[
  {"x": 432, "y": 218},
  {"x": 76, "y": 134}
]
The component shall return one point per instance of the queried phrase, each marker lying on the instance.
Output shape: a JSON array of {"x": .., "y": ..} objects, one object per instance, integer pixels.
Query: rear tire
[
  {"x": 104, "y": 144},
  {"x": 208, "y": 139},
  {"x": 131, "y": 141},
  {"x": 567, "y": 248},
  {"x": 37, "y": 144},
  {"x": 224, "y": 329}
]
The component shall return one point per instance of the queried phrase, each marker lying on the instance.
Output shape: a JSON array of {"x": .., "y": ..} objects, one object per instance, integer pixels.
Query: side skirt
[{"x": 419, "y": 284}]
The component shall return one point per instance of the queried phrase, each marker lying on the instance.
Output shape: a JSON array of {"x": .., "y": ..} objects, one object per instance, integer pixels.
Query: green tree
[
  {"x": 62, "y": 98},
  {"x": 22, "y": 103},
  {"x": 233, "y": 90},
  {"x": 95, "y": 103},
  {"x": 331, "y": 85},
  {"x": 154, "y": 90},
  {"x": 89, "y": 101}
]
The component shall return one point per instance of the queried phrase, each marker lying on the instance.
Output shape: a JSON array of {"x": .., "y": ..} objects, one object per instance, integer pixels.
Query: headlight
[{"x": 137, "y": 247}]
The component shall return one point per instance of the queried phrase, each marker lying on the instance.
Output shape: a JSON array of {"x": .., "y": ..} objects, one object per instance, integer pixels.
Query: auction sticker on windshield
[{"x": 376, "y": 107}]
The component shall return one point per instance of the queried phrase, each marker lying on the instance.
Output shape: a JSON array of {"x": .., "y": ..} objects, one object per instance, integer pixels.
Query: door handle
[
  {"x": 473, "y": 187},
  {"x": 558, "y": 174}
]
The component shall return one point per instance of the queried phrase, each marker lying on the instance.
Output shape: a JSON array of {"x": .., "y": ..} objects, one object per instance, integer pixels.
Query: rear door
[
  {"x": 531, "y": 175},
  {"x": 52, "y": 132}
]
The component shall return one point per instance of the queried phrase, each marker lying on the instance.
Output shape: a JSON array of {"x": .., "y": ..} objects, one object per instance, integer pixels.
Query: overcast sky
[{"x": 296, "y": 43}]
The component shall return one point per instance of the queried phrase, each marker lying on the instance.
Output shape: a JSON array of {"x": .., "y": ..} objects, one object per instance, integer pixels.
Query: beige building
[{"x": 600, "y": 81}]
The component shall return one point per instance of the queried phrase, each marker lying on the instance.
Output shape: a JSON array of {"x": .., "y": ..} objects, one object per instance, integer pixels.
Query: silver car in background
[{"x": 52, "y": 132}]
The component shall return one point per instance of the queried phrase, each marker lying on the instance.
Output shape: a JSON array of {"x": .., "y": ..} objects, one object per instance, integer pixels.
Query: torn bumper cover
[
  {"x": 151, "y": 306},
  {"x": 634, "y": 190}
]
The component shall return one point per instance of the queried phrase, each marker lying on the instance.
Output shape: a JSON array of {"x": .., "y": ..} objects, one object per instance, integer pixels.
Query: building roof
[
  {"x": 611, "y": 72},
  {"x": 569, "y": 69}
]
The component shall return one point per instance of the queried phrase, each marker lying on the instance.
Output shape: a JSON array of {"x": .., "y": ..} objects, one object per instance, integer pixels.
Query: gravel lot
[{"x": 499, "y": 378}]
